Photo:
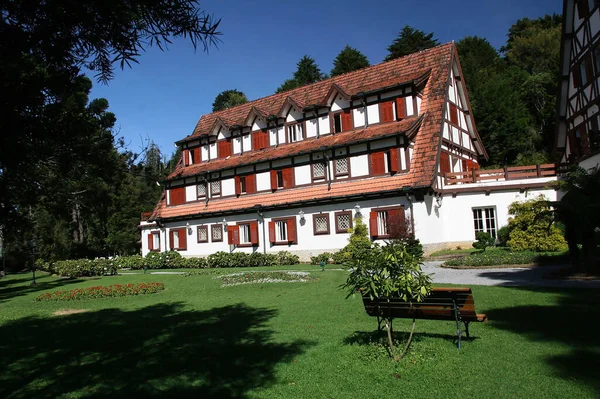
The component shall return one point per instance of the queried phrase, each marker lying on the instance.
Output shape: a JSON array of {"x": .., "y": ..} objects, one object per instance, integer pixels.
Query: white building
[
  {"x": 578, "y": 137},
  {"x": 394, "y": 143}
]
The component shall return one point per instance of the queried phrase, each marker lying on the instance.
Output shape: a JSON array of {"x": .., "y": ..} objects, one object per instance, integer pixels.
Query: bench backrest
[{"x": 438, "y": 305}]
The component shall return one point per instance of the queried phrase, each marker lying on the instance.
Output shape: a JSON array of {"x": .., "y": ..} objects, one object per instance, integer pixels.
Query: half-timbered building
[
  {"x": 578, "y": 135},
  {"x": 392, "y": 144}
]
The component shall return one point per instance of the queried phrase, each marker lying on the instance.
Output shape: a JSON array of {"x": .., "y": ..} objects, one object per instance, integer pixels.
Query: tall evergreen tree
[
  {"x": 307, "y": 71},
  {"x": 348, "y": 60},
  {"x": 229, "y": 98},
  {"x": 410, "y": 40}
]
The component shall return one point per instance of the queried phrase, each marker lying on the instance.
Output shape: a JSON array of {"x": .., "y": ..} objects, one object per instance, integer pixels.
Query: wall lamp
[{"x": 302, "y": 218}]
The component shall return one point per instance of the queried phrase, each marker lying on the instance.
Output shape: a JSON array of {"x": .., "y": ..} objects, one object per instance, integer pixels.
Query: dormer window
[
  {"x": 260, "y": 140},
  {"x": 295, "y": 132},
  {"x": 342, "y": 121}
]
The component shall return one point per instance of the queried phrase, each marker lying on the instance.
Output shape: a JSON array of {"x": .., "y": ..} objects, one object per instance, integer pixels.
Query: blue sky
[{"x": 163, "y": 96}]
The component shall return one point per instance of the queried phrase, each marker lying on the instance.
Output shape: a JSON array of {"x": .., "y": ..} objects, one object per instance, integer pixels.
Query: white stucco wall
[
  {"x": 373, "y": 113},
  {"x": 213, "y": 150},
  {"x": 359, "y": 165},
  {"x": 453, "y": 220},
  {"x": 302, "y": 174},
  {"x": 227, "y": 187},
  {"x": 263, "y": 181},
  {"x": 190, "y": 193}
]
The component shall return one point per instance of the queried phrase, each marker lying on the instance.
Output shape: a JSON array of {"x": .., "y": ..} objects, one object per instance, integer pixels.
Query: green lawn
[{"x": 287, "y": 340}]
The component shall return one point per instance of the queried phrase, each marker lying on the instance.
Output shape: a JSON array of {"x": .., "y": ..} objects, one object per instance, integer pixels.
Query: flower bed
[
  {"x": 264, "y": 277},
  {"x": 110, "y": 291}
]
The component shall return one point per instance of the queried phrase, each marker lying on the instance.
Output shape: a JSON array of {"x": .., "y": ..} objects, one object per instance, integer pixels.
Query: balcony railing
[{"x": 505, "y": 174}]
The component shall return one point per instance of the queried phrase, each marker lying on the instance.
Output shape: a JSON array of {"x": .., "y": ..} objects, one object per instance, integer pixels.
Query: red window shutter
[
  {"x": 397, "y": 222},
  {"x": 377, "y": 163},
  {"x": 273, "y": 180},
  {"x": 347, "y": 120},
  {"x": 233, "y": 234},
  {"x": 186, "y": 157},
  {"x": 387, "y": 113},
  {"x": 444, "y": 162},
  {"x": 197, "y": 155},
  {"x": 288, "y": 177},
  {"x": 238, "y": 185},
  {"x": 177, "y": 196},
  {"x": 171, "y": 239},
  {"x": 254, "y": 232},
  {"x": 291, "y": 230},
  {"x": 251, "y": 184},
  {"x": 150, "y": 241},
  {"x": 271, "y": 231},
  {"x": 400, "y": 108},
  {"x": 265, "y": 139},
  {"x": 394, "y": 160},
  {"x": 453, "y": 114},
  {"x": 373, "y": 224},
  {"x": 182, "y": 239}
]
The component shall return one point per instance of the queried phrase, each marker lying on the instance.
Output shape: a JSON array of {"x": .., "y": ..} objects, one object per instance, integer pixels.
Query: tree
[
  {"x": 229, "y": 98},
  {"x": 307, "y": 72},
  {"x": 348, "y": 60},
  {"x": 43, "y": 47},
  {"x": 410, "y": 40},
  {"x": 579, "y": 210}
]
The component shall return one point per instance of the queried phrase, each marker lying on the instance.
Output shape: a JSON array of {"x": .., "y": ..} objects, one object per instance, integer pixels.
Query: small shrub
[
  {"x": 531, "y": 227},
  {"x": 85, "y": 267},
  {"x": 110, "y": 291},
  {"x": 171, "y": 259},
  {"x": 286, "y": 258},
  {"x": 153, "y": 260},
  {"x": 413, "y": 247},
  {"x": 129, "y": 262},
  {"x": 484, "y": 240},
  {"x": 46, "y": 266},
  {"x": 324, "y": 257},
  {"x": 340, "y": 257},
  {"x": 194, "y": 263},
  {"x": 503, "y": 235}
]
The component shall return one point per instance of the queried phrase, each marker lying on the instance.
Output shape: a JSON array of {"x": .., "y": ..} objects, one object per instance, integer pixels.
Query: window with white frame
[
  {"x": 382, "y": 223},
  {"x": 318, "y": 171},
  {"x": 294, "y": 132},
  {"x": 484, "y": 219},
  {"x": 215, "y": 188},
  {"x": 156, "y": 241},
  {"x": 201, "y": 190},
  {"x": 244, "y": 233},
  {"x": 281, "y": 231}
]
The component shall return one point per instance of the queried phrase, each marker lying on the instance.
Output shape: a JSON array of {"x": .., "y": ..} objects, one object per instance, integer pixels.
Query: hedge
[
  {"x": 110, "y": 291},
  {"x": 164, "y": 260}
]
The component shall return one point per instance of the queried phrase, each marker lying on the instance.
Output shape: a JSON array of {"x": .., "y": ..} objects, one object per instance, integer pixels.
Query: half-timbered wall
[{"x": 578, "y": 133}]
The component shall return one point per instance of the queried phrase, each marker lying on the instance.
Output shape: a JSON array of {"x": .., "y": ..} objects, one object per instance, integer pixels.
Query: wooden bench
[{"x": 451, "y": 303}]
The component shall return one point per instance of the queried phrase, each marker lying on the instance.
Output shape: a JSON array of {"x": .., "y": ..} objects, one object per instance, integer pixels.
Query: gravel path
[{"x": 514, "y": 276}]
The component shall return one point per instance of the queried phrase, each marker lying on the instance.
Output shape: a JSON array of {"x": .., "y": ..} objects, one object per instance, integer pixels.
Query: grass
[
  {"x": 289, "y": 340},
  {"x": 452, "y": 252}
]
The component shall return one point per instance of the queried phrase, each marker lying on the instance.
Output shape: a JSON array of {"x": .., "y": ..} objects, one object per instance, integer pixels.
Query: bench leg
[
  {"x": 458, "y": 330},
  {"x": 467, "y": 329}
]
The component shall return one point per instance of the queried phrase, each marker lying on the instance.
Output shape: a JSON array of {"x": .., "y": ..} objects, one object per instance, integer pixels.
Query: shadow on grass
[
  {"x": 17, "y": 287},
  {"x": 160, "y": 350},
  {"x": 376, "y": 337},
  {"x": 570, "y": 322}
]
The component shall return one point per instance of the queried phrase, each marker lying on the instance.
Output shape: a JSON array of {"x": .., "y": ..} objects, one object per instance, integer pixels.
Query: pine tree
[
  {"x": 307, "y": 72},
  {"x": 410, "y": 40},
  {"x": 348, "y": 60}
]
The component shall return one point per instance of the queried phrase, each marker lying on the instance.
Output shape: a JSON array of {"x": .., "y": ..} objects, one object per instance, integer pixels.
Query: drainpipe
[
  {"x": 205, "y": 181},
  {"x": 364, "y": 100}
]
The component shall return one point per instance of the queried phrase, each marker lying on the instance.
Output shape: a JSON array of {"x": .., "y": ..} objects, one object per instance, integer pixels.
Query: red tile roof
[
  {"x": 358, "y": 135},
  {"x": 340, "y": 188},
  {"x": 431, "y": 66}
]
